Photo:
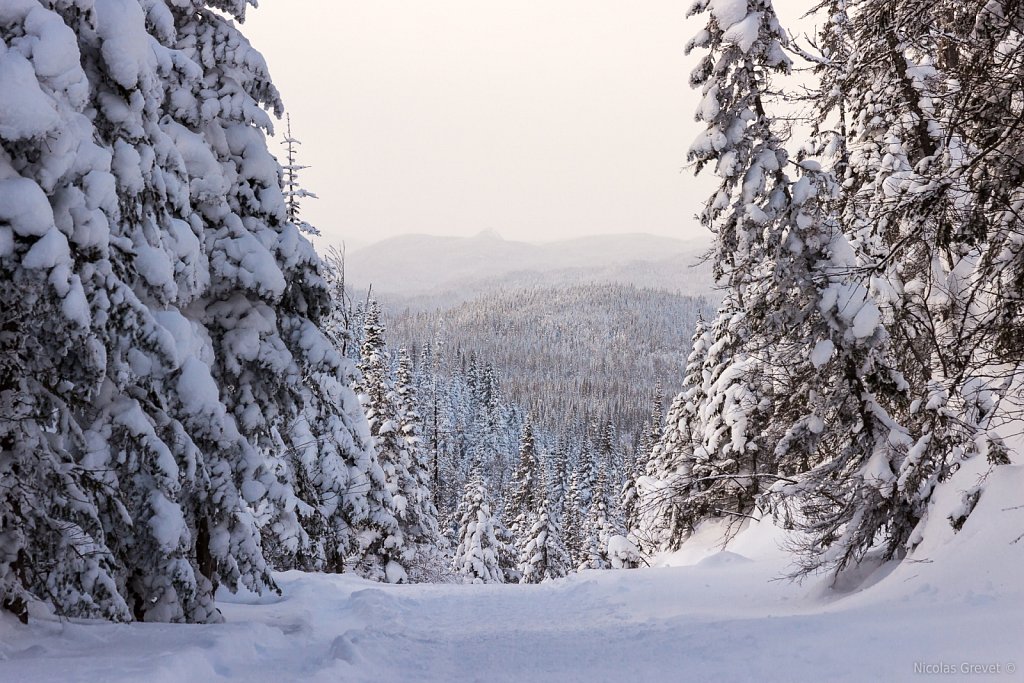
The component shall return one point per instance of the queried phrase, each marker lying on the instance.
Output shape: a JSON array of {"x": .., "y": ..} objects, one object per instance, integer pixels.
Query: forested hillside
[{"x": 569, "y": 355}]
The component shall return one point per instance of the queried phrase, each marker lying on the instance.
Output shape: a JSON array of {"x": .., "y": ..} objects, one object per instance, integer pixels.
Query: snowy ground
[{"x": 717, "y": 617}]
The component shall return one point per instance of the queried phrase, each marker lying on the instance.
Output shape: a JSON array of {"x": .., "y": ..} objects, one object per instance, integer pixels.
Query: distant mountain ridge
[{"x": 447, "y": 270}]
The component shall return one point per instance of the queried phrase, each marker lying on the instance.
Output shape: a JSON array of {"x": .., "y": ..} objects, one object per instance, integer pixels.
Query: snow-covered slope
[
  {"x": 431, "y": 266},
  {"x": 716, "y": 615}
]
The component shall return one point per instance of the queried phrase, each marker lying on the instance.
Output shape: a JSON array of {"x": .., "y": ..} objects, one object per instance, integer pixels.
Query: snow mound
[{"x": 723, "y": 558}]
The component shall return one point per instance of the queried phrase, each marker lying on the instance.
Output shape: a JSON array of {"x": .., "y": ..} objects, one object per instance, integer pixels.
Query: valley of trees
[
  {"x": 570, "y": 356},
  {"x": 474, "y": 438},
  {"x": 189, "y": 399}
]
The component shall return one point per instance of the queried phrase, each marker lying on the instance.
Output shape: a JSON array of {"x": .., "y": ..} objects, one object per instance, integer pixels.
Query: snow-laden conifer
[
  {"x": 599, "y": 526},
  {"x": 479, "y": 550},
  {"x": 544, "y": 555},
  {"x": 574, "y": 521},
  {"x": 524, "y": 500},
  {"x": 665, "y": 486},
  {"x": 384, "y": 550},
  {"x": 904, "y": 336},
  {"x": 294, "y": 193},
  {"x": 143, "y": 207},
  {"x": 419, "y": 518}
]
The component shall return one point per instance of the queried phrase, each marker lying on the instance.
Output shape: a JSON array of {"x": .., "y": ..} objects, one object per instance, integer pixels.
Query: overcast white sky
[{"x": 541, "y": 119}]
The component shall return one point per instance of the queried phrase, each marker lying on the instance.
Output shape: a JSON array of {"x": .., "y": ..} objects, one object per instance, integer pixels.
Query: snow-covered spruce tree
[
  {"x": 658, "y": 409},
  {"x": 523, "y": 502},
  {"x": 418, "y": 519},
  {"x": 486, "y": 442},
  {"x": 154, "y": 211},
  {"x": 629, "y": 498},
  {"x": 478, "y": 551},
  {"x": 767, "y": 406},
  {"x": 574, "y": 522},
  {"x": 559, "y": 477},
  {"x": 384, "y": 550},
  {"x": 52, "y": 544},
  {"x": 294, "y": 193},
  {"x": 264, "y": 323},
  {"x": 600, "y": 526},
  {"x": 52, "y": 363},
  {"x": 586, "y": 470},
  {"x": 544, "y": 555},
  {"x": 744, "y": 44},
  {"x": 663, "y": 515},
  {"x": 338, "y": 478},
  {"x": 919, "y": 230},
  {"x": 508, "y": 553},
  {"x": 851, "y": 364},
  {"x": 614, "y": 464},
  {"x": 650, "y": 434},
  {"x": 774, "y": 242}
]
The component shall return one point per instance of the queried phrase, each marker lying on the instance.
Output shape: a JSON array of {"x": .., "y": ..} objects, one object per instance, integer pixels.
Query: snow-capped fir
[
  {"x": 599, "y": 525},
  {"x": 523, "y": 503},
  {"x": 658, "y": 408},
  {"x": 418, "y": 519},
  {"x": 744, "y": 44},
  {"x": 477, "y": 556},
  {"x": 544, "y": 555},
  {"x": 911, "y": 349},
  {"x": 851, "y": 334},
  {"x": 141, "y": 216},
  {"x": 574, "y": 517},
  {"x": 629, "y": 497},
  {"x": 664, "y": 514},
  {"x": 385, "y": 553},
  {"x": 294, "y": 193}
]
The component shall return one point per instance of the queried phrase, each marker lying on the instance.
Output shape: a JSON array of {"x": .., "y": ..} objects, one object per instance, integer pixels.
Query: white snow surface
[{"x": 707, "y": 614}]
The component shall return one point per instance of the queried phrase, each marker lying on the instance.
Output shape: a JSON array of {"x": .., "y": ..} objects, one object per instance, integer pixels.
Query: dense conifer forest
[{"x": 192, "y": 402}]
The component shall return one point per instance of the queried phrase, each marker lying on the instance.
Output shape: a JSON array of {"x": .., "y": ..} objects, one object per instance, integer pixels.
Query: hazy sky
[{"x": 540, "y": 119}]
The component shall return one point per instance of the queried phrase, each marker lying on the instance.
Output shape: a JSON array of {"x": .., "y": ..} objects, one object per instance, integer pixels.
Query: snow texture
[{"x": 959, "y": 602}]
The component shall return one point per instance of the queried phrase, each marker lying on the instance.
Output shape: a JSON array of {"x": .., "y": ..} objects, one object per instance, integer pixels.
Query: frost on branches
[
  {"x": 544, "y": 556},
  {"x": 159, "y": 319},
  {"x": 478, "y": 555},
  {"x": 403, "y": 535},
  {"x": 860, "y": 354}
]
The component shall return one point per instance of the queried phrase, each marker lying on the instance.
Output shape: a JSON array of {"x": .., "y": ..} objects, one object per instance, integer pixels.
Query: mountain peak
[{"x": 489, "y": 234}]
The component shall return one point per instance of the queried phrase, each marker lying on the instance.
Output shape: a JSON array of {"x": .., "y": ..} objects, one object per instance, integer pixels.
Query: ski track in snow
[
  {"x": 715, "y": 616},
  {"x": 709, "y": 622}
]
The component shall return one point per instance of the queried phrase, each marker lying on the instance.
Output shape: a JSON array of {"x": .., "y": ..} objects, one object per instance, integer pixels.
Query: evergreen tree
[
  {"x": 294, "y": 193},
  {"x": 385, "y": 553},
  {"x": 544, "y": 555},
  {"x": 899, "y": 382},
  {"x": 508, "y": 553},
  {"x": 665, "y": 515},
  {"x": 146, "y": 218},
  {"x": 629, "y": 498},
  {"x": 574, "y": 517},
  {"x": 745, "y": 45},
  {"x": 658, "y": 408},
  {"x": 600, "y": 526},
  {"x": 523, "y": 503},
  {"x": 419, "y": 518},
  {"x": 477, "y": 557},
  {"x": 845, "y": 345}
]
